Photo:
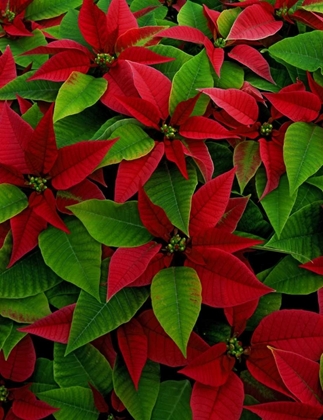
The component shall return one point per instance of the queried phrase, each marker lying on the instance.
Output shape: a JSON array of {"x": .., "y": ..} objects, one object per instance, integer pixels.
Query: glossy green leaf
[
  {"x": 194, "y": 74},
  {"x": 278, "y": 203},
  {"x": 191, "y": 14},
  {"x": 170, "y": 68},
  {"x": 226, "y": 20},
  {"x": 28, "y": 277},
  {"x": 6, "y": 325},
  {"x": 307, "y": 194},
  {"x": 28, "y": 309},
  {"x": 246, "y": 158},
  {"x": 92, "y": 319},
  {"x": 109, "y": 126},
  {"x": 139, "y": 403},
  {"x": 267, "y": 304},
  {"x": 303, "y": 152},
  {"x": 133, "y": 143},
  {"x": 112, "y": 224},
  {"x": 232, "y": 76},
  {"x": 46, "y": 9},
  {"x": 287, "y": 277},
  {"x": 12, "y": 339},
  {"x": 69, "y": 28},
  {"x": 302, "y": 236},
  {"x": 304, "y": 51},
  {"x": 81, "y": 367},
  {"x": 74, "y": 403},
  {"x": 43, "y": 376},
  {"x": 12, "y": 201},
  {"x": 170, "y": 190},
  {"x": 176, "y": 301},
  {"x": 76, "y": 257},
  {"x": 173, "y": 402},
  {"x": 63, "y": 294}
]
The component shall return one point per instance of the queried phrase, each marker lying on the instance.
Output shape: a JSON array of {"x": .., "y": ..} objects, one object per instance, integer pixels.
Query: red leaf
[
  {"x": 184, "y": 110},
  {"x": 175, "y": 152},
  {"x": 59, "y": 67},
  {"x": 117, "y": 404},
  {"x": 25, "y": 227},
  {"x": 24, "y": 104},
  {"x": 93, "y": 26},
  {"x": 135, "y": 173},
  {"x": 58, "y": 46},
  {"x": 105, "y": 346},
  {"x": 99, "y": 401},
  {"x": 296, "y": 105},
  {"x": 184, "y": 33},
  {"x": 315, "y": 87},
  {"x": 254, "y": 23},
  {"x": 77, "y": 161},
  {"x": 162, "y": 349},
  {"x": 316, "y": 265},
  {"x": 133, "y": 345},
  {"x": 210, "y": 202},
  {"x": 141, "y": 109},
  {"x": 135, "y": 36},
  {"x": 201, "y": 156},
  {"x": 218, "y": 403},
  {"x": 293, "y": 330},
  {"x": 246, "y": 158},
  {"x": 285, "y": 410},
  {"x": 7, "y": 67},
  {"x": 233, "y": 213},
  {"x": 11, "y": 175},
  {"x": 300, "y": 375},
  {"x": 226, "y": 281},
  {"x": 21, "y": 362},
  {"x": 127, "y": 264},
  {"x": 159, "y": 262},
  {"x": 212, "y": 367},
  {"x": 119, "y": 18},
  {"x": 252, "y": 59},
  {"x": 143, "y": 55},
  {"x": 237, "y": 316},
  {"x": 201, "y": 128},
  {"x": 153, "y": 217},
  {"x": 26, "y": 406},
  {"x": 240, "y": 105},
  {"x": 55, "y": 327}
]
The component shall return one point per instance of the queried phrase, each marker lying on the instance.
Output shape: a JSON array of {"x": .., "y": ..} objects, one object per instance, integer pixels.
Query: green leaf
[
  {"x": 33, "y": 115},
  {"x": 304, "y": 51},
  {"x": 82, "y": 366},
  {"x": 194, "y": 74},
  {"x": 28, "y": 277},
  {"x": 12, "y": 201},
  {"x": 307, "y": 194},
  {"x": 73, "y": 403},
  {"x": 43, "y": 376},
  {"x": 267, "y": 304},
  {"x": 302, "y": 236},
  {"x": 92, "y": 319},
  {"x": 191, "y": 14},
  {"x": 12, "y": 339},
  {"x": 6, "y": 325},
  {"x": 246, "y": 158},
  {"x": 232, "y": 76},
  {"x": 171, "y": 68},
  {"x": 46, "y": 9},
  {"x": 287, "y": 277},
  {"x": 76, "y": 257},
  {"x": 139, "y": 403},
  {"x": 63, "y": 294},
  {"x": 133, "y": 143},
  {"x": 176, "y": 301},
  {"x": 226, "y": 20},
  {"x": 112, "y": 224},
  {"x": 27, "y": 310},
  {"x": 173, "y": 402},
  {"x": 39, "y": 90},
  {"x": 170, "y": 190},
  {"x": 278, "y": 203},
  {"x": 303, "y": 152},
  {"x": 69, "y": 28},
  {"x": 78, "y": 92},
  {"x": 109, "y": 126}
]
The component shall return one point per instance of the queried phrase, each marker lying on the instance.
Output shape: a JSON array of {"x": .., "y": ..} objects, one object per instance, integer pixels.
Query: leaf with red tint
[
  {"x": 296, "y": 105},
  {"x": 15, "y": 134},
  {"x": 77, "y": 161},
  {"x": 141, "y": 109},
  {"x": 184, "y": 110},
  {"x": 105, "y": 346},
  {"x": 11, "y": 175},
  {"x": 212, "y": 17},
  {"x": 286, "y": 410},
  {"x": 85, "y": 190},
  {"x": 252, "y": 58},
  {"x": 233, "y": 213},
  {"x": 25, "y": 227},
  {"x": 254, "y": 23},
  {"x": 117, "y": 404},
  {"x": 316, "y": 265},
  {"x": 58, "y": 46},
  {"x": 135, "y": 173},
  {"x": 216, "y": 56},
  {"x": 44, "y": 205},
  {"x": 162, "y": 349},
  {"x": 312, "y": 19},
  {"x": 214, "y": 403},
  {"x": 119, "y": 18},
  {"x": 201, "y": 156},
  {"x": 226, "y": 281},
  {"x": 237, "y": 316},
  {"x": 184, "y": 33},
  {"x": 315, "y": 87},
  {"x": 143, "y": 55},
  {"x": 99, "y": 401},
  {"x": 21, "y": 362},
  {"x": 210, "y": 368},
  {"x": 24, "y": 104},
  {"x": 59, "y": 67},
  {"x": 4, "y": 230},
  {"x": 240, "y": 105},
  {"x": 300, "y": 375},
  {"x": 153, "y": 217},
  {"x": 159, "y": 262},
  {"x": 93, "y": 26},
  {"x": 175, "y": 152},
  {"x": 137, "y": 36},
  {"x": 292, "y": 330},
  {"x": 133, "y": 344},
  {"x": 210, "y": 201},
  {"x": 26, "y": 406},
  {"x": 201, "y": 128},
  {"x": 246, "y": 159},
  {"x": 271, "y": 153},
  {"x": 127, "y": 264},
  {"x": 55, "y": 327},
  {"x": 8, "y": 70}
]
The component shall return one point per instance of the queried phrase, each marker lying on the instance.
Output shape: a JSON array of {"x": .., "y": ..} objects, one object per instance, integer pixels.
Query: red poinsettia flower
[
  {"x": 12, "y": 13},
  {"x": 30, "y": 159}
]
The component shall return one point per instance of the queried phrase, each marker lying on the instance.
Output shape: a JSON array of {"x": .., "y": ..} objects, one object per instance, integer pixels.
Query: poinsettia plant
[{"x": 161, "y": 222}]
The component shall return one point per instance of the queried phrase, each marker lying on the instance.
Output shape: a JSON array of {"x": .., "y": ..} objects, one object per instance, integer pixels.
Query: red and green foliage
[{"x": 161, "y": 223}]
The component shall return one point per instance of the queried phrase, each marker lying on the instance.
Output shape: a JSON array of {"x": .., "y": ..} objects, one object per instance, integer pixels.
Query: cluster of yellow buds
[
  {"x": 8, "y": 14},
  {"x": 169, "y": 131},
  {"x": 234, "y": 347},
  {"x": 104, "y": 60},
  {"x": 3, "y": 393},
  {"x": 37, "y": 183},
  {"x": 266, "y": 129},
  {"x": 220, "y": 43},
  {"x": 177, "y": 243}
]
